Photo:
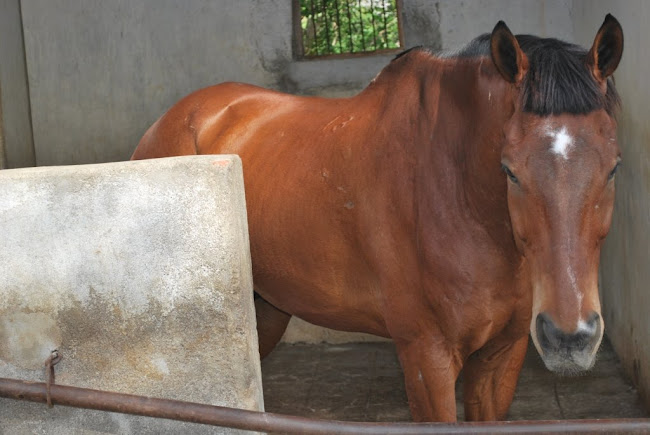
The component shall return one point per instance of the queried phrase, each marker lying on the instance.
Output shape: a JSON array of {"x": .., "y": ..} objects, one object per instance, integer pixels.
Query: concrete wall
[
  {"x": 625, "y": 261},
  {"x": 3, "y": 163},
  {"x": 16, "y": 144},
  {"x": 139, "y": 274},
  {"x": 462, "y": 20},
  {"x": 100, "y": 73}
]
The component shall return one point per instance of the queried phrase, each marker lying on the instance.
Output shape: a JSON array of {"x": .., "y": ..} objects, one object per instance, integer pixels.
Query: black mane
[{"x": 558, "y": 80}]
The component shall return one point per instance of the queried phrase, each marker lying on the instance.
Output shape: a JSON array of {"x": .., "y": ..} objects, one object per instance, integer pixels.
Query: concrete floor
[{"x": 363, "y": 382}]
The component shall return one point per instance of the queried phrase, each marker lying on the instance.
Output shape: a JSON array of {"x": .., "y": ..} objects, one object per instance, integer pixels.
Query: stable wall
[
  {"x": 16, "y": 144},
  {"x": 625, "y": 260},
  {"x": 99, "y": 73}
]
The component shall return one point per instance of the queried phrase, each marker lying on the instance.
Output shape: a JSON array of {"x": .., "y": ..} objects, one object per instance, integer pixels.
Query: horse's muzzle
[{"x": 568, "y": 353}]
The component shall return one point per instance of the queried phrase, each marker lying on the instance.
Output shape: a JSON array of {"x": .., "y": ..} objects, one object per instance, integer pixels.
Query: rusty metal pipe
[{"x": 269, "y": 422}]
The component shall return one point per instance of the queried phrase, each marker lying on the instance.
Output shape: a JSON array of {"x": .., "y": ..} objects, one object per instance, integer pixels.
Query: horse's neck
[{"x": 465, "y": 103}]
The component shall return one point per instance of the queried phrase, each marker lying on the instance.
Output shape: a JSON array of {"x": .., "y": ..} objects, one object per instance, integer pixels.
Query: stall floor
[{"x": 363, "y": 382}]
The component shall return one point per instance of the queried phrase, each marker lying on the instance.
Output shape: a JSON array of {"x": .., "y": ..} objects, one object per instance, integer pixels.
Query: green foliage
[{"x": 348, "y": 26}]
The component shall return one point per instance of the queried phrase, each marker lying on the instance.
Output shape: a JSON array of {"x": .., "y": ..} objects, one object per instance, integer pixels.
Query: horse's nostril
[
  {"x": 551, "y": 338},
  {"x": 547, "y": 334}
]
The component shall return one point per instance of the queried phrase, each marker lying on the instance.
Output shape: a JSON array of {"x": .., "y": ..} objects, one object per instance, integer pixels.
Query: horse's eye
[
  {"x": 613, "y": 172},
  {"x": 509, "y": 173}
]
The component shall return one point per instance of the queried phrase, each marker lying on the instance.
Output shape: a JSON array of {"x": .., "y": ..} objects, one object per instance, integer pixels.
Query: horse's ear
[
  {"x": 605, "y": 54},
  {"x": 507, "y": 56}
]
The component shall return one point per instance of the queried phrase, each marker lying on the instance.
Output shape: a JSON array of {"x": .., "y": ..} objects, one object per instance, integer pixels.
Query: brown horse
[{"x": 390, "y": 212}]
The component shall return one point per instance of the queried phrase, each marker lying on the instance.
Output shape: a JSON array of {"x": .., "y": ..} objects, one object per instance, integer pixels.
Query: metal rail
[{"x": 269, "y": 422}]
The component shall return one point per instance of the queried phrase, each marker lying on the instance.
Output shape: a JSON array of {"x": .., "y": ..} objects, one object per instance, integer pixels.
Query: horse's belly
[
  {"x": 332, "y": 289},
  {"x": 320, "y": 298}
]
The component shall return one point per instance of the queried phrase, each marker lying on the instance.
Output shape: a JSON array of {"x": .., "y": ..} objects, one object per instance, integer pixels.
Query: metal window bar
[
  {"x": 338, "y": 24},
  {"x": 374, "y": 28},
  {"x": 327, "y": 26},
  {"x": 313, "y": 20},
  {"x": 363, "y": 39},
  {"x": 347, "y": 4},
  {"x": 383, "y": 6},
  {"x": 331, "y": 27}
]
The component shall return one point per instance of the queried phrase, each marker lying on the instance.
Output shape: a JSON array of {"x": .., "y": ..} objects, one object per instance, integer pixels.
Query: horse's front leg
[
  {"x": 490, "y": 378},
  {"x": 430, "y": 373}
]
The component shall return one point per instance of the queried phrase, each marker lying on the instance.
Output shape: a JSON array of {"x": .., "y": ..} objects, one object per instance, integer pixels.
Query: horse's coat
[{"x": 388, "y": 213}]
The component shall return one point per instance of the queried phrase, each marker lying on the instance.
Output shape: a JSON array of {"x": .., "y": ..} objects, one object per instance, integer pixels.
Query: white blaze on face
[
  {"x": 576, "y": 291},
  {"x": 562, "y": 141}
]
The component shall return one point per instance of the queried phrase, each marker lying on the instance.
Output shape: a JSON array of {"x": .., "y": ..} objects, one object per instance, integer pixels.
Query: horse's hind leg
[{"x": 271, "y": 324}]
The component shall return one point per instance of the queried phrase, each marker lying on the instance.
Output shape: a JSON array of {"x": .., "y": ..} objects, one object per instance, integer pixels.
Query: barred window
[{"x": 332, "y": 27}]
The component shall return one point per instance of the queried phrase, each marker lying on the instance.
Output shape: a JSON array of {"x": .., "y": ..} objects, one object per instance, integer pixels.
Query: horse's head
[{"x": 560, "y": 159}]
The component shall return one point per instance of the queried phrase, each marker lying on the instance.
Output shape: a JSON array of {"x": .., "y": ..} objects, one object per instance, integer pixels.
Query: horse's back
[{"x": 206, "y": 121}]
